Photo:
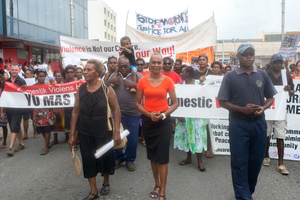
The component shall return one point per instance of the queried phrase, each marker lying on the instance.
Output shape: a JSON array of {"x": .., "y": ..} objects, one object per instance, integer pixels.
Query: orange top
[{"x": 155, "y": 98}]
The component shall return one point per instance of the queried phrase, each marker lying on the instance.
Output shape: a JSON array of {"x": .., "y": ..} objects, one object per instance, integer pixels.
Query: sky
[{"x": 238, "y": 19}]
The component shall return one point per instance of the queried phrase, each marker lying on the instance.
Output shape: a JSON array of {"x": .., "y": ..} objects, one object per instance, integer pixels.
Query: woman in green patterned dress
[{"x": 190, "y": 133}]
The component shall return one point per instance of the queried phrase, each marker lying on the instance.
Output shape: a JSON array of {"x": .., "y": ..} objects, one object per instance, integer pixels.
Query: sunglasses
[
  {"x": 245, "y": 54},
  {"x": 277, "y": 62},
  {"x": 109, "y": 57},
  {"x": 167, "y": 63},
  {"x": 140, "y": 64}
]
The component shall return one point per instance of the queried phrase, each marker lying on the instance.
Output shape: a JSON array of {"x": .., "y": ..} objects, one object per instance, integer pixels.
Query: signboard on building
[{"x": 12, "y": 45}]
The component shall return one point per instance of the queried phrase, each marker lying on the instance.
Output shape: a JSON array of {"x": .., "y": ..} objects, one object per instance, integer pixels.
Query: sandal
[
  {"x": 144, "y": 143},
  {"x": 75, "y": 148},
  {"x": 104, "y": 190},
  {"x": 96, "y": 196},
  {"x": 202, "y": 168},
  {"x": 153, "y": 194},
  {"x": 185, "y": 162},
  {"x": 163, "y": 197}
]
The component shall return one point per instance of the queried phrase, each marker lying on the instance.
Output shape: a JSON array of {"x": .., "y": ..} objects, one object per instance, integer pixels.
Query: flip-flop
[
  {"x": 3, "y": 147},
  {"x": 184, "y": 162},
  {"x": 25, "y": 138}
]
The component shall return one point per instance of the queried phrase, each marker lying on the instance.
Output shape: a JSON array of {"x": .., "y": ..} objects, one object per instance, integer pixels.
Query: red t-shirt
[
  {"x": 2, "y": 66},
  {"x": 145, "y": 73},
  {"x": 155, "y": 98},
  {"x": 174, "y": 76}
]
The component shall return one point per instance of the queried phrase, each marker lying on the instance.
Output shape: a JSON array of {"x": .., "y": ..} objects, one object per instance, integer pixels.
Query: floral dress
[
  {"x": 191, "y": 135},
  {"x": 43, "y": 117}
]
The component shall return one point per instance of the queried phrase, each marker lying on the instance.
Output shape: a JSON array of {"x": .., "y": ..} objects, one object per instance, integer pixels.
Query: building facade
[
  {"x": 265, "y": 44},
  {"x": 30, "y": 29},
  {"x": 102, "y": 21}
]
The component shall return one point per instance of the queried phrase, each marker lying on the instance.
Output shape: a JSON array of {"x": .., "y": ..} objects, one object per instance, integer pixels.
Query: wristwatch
[{"x": 164, "y": 116}]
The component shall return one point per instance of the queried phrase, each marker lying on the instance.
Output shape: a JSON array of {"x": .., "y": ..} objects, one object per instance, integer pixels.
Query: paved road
[{"x": 28, "y": 175}]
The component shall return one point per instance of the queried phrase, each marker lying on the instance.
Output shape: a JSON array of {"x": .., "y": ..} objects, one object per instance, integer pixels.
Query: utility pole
[
  {"x": 72, "y": 18},
  {"x": 283, "y": 20}
]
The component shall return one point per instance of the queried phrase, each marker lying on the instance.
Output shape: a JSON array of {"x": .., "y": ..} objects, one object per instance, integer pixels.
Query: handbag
[{"x": 110, "y": 120}]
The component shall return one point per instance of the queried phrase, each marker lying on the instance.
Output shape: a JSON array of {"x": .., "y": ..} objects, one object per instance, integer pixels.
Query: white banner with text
[{"x": 89, "y": 49}]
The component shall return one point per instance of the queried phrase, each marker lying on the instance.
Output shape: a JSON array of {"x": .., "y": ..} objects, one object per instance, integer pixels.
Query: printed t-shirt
[{"x": 155, "y": 97}]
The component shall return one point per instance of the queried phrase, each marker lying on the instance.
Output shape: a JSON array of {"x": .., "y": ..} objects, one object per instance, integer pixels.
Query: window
[
  {"x": 115, "y": 18},
  {"x": 114, "y": 39},
  {"x": 111, "y": 15},
  {"x": 108, "y": 36},
  {"x": 112, "y": 27},
  {"x": 108, "y": 25},
  {"x": 108, "y": 13},
  {"x": 104, "y": 10},
  {"x": 104, "y": 22},
  {"x": 105, "y": 35}
]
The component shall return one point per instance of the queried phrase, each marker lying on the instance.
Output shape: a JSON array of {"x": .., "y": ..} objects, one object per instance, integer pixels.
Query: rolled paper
[{"x": 109, "y": 145}]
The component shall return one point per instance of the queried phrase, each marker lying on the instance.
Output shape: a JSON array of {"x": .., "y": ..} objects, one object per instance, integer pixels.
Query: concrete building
[
  {"x": 102, "y": 21},
  {"x": 30, "y": 29},
  {"x": 265, "y": 44}
]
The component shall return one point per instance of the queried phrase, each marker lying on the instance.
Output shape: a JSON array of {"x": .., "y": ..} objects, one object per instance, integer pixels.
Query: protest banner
[
  {"x": 202, "y": 36},
  {"x": 39, "y": 96},
  {"x": 89, "y": 49},
  {"x": 201, "y": 102},
  {"x": 289, "y": 46},
  {"x": 163, "y": 27}
]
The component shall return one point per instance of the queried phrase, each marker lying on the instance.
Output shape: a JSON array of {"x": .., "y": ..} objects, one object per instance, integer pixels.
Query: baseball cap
[
  {"x": 243, "y": 47},
  {"x": 276, "y": 57}
]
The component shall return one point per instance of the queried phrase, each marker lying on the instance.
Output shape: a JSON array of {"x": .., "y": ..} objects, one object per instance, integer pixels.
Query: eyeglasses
[
  {"x": 277, "y": 62},
  {"x": 167, "y": 63},
  {"x": 140, "y": 64},
  {"x": 245, "y": 54},
  {"x": 70, "y": 72}
]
